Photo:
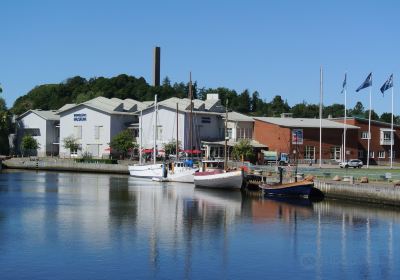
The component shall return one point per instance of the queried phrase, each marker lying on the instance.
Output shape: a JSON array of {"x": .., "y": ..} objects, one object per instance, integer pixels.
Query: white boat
[
  {"x": 147, "y": 170},
  {"x": 214, "y": 174},
  {"x": 219, "y": 179},
  {"x": 179, "y": 171}
]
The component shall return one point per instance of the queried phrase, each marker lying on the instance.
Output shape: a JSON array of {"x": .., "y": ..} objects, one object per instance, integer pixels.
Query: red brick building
[
  {"x": 283, "y": 135},
  {"x": 380, "y": 139}
]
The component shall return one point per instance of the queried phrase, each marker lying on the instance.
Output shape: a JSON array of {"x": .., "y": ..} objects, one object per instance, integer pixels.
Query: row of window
[
  {"x": 78, "y": 131},
  {"x": 335, "y": 153},
  {"x": 381, "y": 154}
]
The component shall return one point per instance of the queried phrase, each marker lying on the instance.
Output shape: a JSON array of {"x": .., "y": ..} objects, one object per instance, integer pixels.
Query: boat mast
[
  {"x": 155, "y": 129},
  {"x": 177, "y": 134},
  {"x": 226, "y": 138},
  {"x": 191, "y": 116},
  {"x": 140, "y": 135}
]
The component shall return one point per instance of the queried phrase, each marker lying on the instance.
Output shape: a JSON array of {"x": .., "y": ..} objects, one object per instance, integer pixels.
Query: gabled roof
[
  {"x": 66, "y": 107},
  {"x": 111, "y": 106},
  {"x": 304, "y": 122},
  {"x": 207, "y": 106},
  {"x": 50, "y": 115},
  {"x": 238, "y": 117}
]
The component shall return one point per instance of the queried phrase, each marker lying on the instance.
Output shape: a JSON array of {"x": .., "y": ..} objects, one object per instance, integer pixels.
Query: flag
[
  {"x": 366, "y": 83},
  {"x": 387, "y": 85},
  {"x": 344, "y": 83}
]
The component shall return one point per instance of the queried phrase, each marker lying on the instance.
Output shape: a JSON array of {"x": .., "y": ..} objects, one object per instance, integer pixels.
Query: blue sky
[{"x": 274, "y": 47}]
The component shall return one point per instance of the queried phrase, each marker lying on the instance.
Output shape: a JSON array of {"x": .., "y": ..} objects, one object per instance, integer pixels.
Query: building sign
[
  {"x": 79, "y": 117},
  {"x": 297, "y": 136}
]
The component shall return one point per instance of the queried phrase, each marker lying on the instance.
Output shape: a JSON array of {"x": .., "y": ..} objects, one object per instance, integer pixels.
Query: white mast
[
  {"x": 369, "y": 124},
  {"x": 391, "y": 135},
  {"x": 155, "y": 129},
  {"x": 320, "y": 119},
  {"x": 141, "y": 137},
  {"x": 345, "y": 120}
]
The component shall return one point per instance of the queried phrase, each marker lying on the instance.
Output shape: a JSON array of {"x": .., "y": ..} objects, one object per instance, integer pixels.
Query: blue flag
[
  {"x": 366, "y": 83},
  {"x": 387, "y": 85},
  {"x": 344, "y": 83}
]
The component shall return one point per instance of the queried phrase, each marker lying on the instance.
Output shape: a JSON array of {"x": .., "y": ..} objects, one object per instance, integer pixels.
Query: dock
[{"x": 380, "y": 193}]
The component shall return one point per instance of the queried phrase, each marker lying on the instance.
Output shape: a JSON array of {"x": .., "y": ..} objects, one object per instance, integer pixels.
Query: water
[{"x": 87, "y": 226}]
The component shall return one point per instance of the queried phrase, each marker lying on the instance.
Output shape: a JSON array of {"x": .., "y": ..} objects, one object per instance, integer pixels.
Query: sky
[{"x": 274, "y": 47}]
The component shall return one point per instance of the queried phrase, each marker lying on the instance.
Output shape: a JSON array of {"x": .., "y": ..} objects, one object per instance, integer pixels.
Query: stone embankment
[
  {"x": 382, "y": 193},
  {"x": 55, "y": 164}
]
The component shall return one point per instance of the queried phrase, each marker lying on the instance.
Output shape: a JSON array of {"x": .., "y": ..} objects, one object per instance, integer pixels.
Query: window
[
  {"x": 394, "y": 154},
  {"x": 361, "y": 154},
  {"x": 309, "y": 152},
  {"x": 159, "y": 132},
  {"x": 335, "y": 152},
  {"x": 229, "y": 133},
  {"x": 381, "y": 154},
  {"x": 97, "y": 132},
  {"x": 78, "y": 131},
  {"x": 371, "y": 154},
  {"x": 205, "y": 120},
  {"x": 364, "y": 135}
]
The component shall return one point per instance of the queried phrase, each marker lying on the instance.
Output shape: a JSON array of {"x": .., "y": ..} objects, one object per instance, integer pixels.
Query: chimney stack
[{"x": 156, "y": 67}]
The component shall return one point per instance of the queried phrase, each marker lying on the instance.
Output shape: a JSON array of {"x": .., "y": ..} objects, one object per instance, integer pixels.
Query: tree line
[{"x": 78, "y": 89}]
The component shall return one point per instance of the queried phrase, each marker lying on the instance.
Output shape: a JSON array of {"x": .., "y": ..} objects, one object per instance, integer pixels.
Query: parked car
[{"x": 356, "y": 163}]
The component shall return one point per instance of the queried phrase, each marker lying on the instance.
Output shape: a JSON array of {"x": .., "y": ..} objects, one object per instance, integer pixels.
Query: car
[{"x": 356, "y": 163}]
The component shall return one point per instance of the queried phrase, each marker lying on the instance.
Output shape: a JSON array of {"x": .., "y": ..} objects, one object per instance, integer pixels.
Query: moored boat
[
  {"x": 301, "y": 188},
  {"x": 219, "y": 179}
]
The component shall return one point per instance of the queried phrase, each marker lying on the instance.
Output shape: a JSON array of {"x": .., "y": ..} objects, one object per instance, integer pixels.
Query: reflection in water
[{"x": 101, "y": 226}]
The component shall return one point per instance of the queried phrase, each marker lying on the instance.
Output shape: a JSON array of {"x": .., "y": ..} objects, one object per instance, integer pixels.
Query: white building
[
  {"x": 43, "y": 126},
  {"x": 94, "y": 123},
  {"x": 206, "y": 117}
]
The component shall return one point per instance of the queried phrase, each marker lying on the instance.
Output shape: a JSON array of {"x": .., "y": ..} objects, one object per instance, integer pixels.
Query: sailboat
[
  {"x": 148, "y": 170},
  {"x": 178, "y": 170},
  {"x": 215, "y": 174}
]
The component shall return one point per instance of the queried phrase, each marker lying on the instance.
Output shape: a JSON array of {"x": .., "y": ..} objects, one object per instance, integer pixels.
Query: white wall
[
  {"x": 33, "y": 121},
  {"x": 93, "y": 118},
  {"x": 166, "y": 122}
]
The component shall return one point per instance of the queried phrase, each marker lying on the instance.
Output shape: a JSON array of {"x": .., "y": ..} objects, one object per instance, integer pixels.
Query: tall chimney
[{"x": 156, "y": 67}]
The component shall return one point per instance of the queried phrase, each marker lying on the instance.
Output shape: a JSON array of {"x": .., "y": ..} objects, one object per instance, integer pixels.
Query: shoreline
[{"x": 375, "y": 192}]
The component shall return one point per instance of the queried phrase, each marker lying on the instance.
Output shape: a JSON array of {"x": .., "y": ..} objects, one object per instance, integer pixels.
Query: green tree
[
  {"x": 29, "y": 145},
  {"x": 5, "y": 126},
  {"x": 387, "y": 117},
  {"x": 243, "y": 102},
  {"x": 358, "y": 110},
  {"x": 334, "y": 110},
  {"x": 123, "y": 142},
  {"x": 71, "y": 143},
  {"x": 278, "y": 106},
  {"x": 243, "y": 150},
  {"x": 374, "y": 115},
  {"x": 170, "y": 147}
]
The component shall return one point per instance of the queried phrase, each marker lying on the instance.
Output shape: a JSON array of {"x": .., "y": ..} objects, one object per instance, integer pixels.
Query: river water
[{"x": 89, "y": 226}]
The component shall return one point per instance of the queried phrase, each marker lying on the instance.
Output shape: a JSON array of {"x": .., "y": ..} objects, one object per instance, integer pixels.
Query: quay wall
[
  {"x": 374, "y": 192},
  {"x": 66, "y": 165}
]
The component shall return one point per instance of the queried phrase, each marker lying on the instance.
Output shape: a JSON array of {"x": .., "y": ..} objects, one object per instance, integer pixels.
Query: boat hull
[
  {"x": 291, "y": 189},
  {"x": 182, "y": 176},
  {"x": 146, "y": 171},
  {"x": 223, "y": 180}
]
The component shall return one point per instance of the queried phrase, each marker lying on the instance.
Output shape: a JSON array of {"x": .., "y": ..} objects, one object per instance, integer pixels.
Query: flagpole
[
  {"x": 369, "y": 123},
  {"x": 320, "y": 118},
  {"x": 391, "y": 136}
]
